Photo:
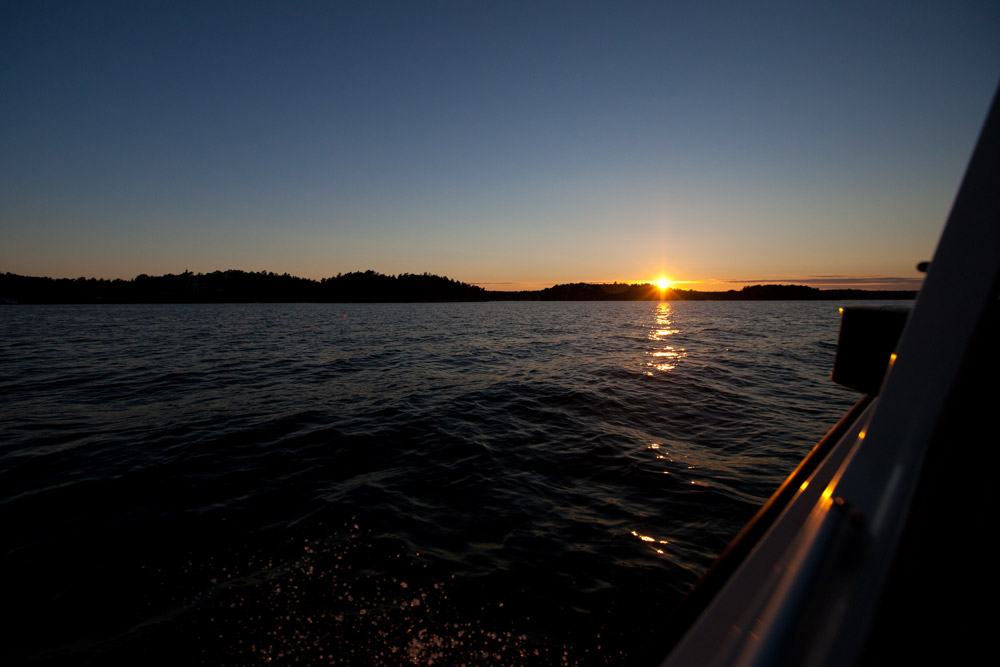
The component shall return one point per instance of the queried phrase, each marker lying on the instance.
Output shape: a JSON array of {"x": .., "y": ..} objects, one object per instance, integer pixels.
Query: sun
[{"x": 663, "y": 283}]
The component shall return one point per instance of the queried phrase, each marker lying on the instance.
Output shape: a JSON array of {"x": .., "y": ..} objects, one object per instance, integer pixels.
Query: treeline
[
  {"x": 650, "y": 292},
  {"x": 238, "y": 287},
  {"x": 585, "y": 292},
  {"x": 793, "y": 293},
  {"x": 368, "y": 286}
]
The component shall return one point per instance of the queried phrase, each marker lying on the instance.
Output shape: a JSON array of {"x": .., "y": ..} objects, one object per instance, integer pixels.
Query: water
[{"x": 476, "y": 483}]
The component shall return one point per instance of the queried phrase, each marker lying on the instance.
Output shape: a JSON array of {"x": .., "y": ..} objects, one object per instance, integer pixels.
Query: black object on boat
[{"x": 868, "y": 338}]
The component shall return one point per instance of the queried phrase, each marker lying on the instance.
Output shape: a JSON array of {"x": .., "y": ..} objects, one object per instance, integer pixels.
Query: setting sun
[{"x": 663, "y": 283}]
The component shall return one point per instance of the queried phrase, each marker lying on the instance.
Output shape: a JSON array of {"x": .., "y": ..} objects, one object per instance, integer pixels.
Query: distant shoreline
[{"x": 234, "y": 286}]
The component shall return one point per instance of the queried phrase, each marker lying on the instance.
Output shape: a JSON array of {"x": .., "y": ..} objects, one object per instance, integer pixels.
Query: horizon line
[{"x": 823, "y": 281}]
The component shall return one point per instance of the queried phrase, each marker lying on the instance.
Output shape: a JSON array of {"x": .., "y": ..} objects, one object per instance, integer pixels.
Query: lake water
[{"x": 471, "y": 483}]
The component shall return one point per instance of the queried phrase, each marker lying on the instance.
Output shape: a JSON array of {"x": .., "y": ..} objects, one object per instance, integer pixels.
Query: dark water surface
[{"x": 475, "y": 483}]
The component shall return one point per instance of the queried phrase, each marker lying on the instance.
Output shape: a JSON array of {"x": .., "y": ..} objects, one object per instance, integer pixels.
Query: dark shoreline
[{"x": 235, "y": 286}]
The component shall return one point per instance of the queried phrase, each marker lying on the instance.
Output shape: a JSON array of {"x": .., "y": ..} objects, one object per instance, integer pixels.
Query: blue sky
[{"x": 500, "y": 143}]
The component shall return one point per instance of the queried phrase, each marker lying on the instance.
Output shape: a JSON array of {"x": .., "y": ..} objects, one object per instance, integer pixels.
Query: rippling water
[{"x": 476, "y": 483}]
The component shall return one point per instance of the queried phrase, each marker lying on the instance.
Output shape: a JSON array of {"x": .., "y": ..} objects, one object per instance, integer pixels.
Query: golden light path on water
[
  {"x": 665, "y": 357},
  {"x": 664, "y": 360}
]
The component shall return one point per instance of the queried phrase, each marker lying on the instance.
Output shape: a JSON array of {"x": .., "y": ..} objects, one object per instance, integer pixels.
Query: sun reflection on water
[
  {"x": 665, "y": 357},
  {"x": 652, "y": 541}
]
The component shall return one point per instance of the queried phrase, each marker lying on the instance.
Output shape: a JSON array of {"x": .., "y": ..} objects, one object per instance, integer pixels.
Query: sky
[{"x": 507, "y": 144}]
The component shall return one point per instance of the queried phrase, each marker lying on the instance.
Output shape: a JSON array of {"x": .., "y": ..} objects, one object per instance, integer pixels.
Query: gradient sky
[{"x": 500, "y": 143}]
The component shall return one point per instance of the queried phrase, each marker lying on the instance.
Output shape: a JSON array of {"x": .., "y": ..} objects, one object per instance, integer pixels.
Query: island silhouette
[{"x": 235, "y": 286}]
